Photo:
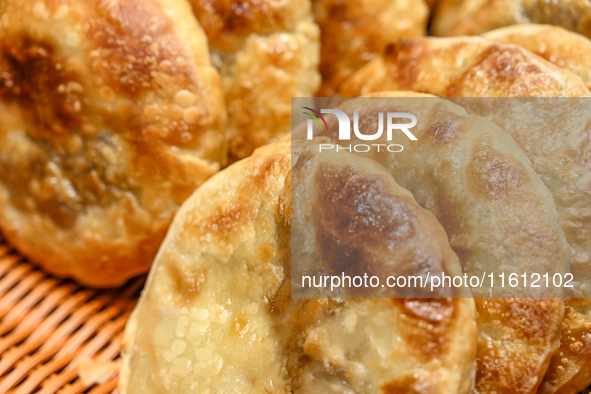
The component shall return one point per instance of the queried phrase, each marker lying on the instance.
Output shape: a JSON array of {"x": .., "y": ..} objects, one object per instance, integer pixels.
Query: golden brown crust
[
  {"x": 267, "y": 52},
  {"x": 570, "y": 369},
  {"x": 354, "y": 32},
  {"x": 464, "y": 67},
  {"x": 111, "y": 115},
  {"x": 563, "y": 48},
  {"x": 376, "y": 227},
  {"x": 514, "y": 218},
  {"x": 227, "y": 23},
  {"x": 242, "y": 331},
  {"x": 431, "y": 4},
  {"x": 468, "y": 17},
  {"x": 515, "y": 324}
]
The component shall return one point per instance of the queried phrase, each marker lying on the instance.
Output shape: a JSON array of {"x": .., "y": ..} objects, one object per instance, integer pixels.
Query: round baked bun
[
  {"x": 267, "y": 51},
  {"x": 110, "y": 116},
  {"x": 217, "y": 315},
  {"x": 468, "y": 17}
]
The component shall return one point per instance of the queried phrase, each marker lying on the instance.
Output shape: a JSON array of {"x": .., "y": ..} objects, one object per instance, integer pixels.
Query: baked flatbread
[
  {"x": 267, "y": 52},
  {"x": 110, "y": 116},
  {"x": 558, "y": 150},
  {"x": 499, "y": 217},
  {"x": 217, "y": 313}
]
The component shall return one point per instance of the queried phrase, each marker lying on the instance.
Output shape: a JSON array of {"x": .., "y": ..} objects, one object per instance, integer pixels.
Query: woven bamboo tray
[{"x": 49, "y": 325}]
